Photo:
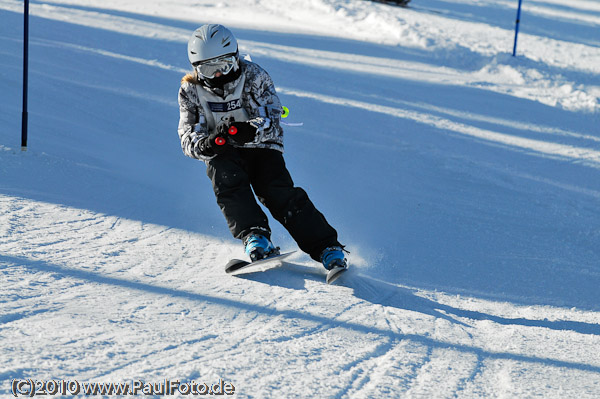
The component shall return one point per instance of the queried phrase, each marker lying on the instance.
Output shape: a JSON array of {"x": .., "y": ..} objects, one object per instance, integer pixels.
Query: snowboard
[{"x": 238, "y": 266}]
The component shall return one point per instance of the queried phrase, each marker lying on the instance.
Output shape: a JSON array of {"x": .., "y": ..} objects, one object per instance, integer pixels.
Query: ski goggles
[{"x": 208, "y": 69}]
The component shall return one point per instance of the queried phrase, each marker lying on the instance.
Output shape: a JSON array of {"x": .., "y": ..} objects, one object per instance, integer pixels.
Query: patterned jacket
[{"x": 199, "y": 112}]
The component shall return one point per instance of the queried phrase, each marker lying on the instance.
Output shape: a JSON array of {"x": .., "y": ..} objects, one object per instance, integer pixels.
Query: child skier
[{"x": 230, "y": 119}]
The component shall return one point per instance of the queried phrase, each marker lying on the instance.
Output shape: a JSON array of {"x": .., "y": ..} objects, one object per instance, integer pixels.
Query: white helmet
[
  {"x": 214, "y": 42},
  {"x": 211, "y": 41}
]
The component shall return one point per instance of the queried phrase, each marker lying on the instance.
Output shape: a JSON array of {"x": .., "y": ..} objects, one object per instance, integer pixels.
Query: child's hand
[
  {"x": 217, "y": 143},
  {"x": 241, "y": 132}
]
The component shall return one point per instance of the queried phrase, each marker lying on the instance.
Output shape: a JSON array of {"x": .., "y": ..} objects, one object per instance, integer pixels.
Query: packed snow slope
[{"x": 464, "y": 181}]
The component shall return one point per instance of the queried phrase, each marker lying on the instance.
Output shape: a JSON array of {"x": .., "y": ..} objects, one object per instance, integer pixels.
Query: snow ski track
[{"x": 404, "y": 337}]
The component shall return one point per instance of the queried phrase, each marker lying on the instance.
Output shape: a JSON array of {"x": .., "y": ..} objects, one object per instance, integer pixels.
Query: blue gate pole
[
  {"x": 517, "y": 28},
  {"x": 25, "y": 75}
]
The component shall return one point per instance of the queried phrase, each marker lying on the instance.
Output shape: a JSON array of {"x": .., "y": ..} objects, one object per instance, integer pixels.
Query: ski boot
[
  {"x": 333, "y": 257},
  {"x": 259, "y": 247},
  {"x": 334, "y": 261}
]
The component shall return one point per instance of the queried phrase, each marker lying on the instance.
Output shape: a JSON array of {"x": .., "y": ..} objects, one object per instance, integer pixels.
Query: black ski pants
[{"x": 239, "y": 171}]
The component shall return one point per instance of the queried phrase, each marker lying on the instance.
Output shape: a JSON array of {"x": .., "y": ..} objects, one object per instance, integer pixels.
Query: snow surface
[{"x": 464, "y": 181}]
